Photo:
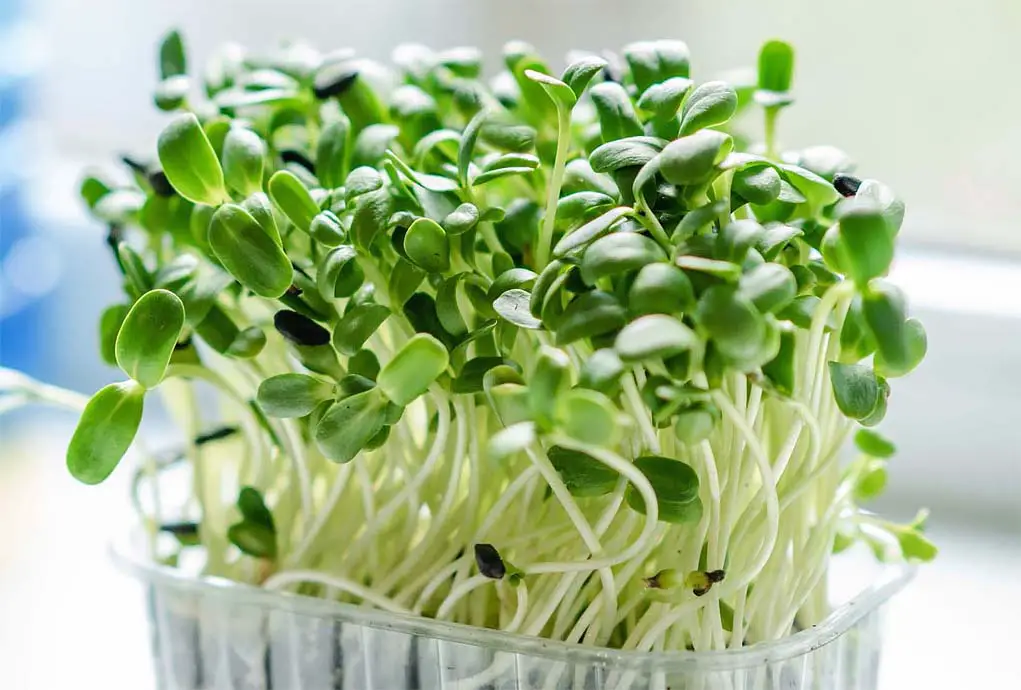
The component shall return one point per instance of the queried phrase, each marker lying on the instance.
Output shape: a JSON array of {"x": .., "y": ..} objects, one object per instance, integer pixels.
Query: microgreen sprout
[{"x": 589, "y": 322}]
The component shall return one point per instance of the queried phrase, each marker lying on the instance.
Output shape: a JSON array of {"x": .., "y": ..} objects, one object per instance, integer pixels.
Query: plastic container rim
[{"x": 893, "y": 578}]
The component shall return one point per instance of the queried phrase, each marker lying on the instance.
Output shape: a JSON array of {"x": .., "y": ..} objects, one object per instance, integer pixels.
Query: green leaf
[
  {"x": 247, "y": 344},
  {"x": 884, "y": 308},
  {"x": 775, "y": 237},
  {"x": 190, "y": 163},
  {"x": 253, "y": 508},
  {"x": 513, "y": 306},
  {"x": 871, "y": 481},
  {"x": 404, "y": 280},
  {"x": 855, "y": 389},
  {"x": 371, "y": 144},
  {"x": 584, "y": 476},
  {"x": 327, "y": 229},
  {"x": 625, "y": 153},
  {"x": 462, "y": 219},
  {"x": 730, "y": 318},
  {"x": 697, "y": 219},
  {"x": 253, "y": 540},
  {"x": 618, "y": 253},
  {"x": 660, "y": 288},
  {"x": 372, "y": 211},
  {"x": 579, "y": 208},
  {"x": 135, "y": 270},
  {"x": 710, "y": 104},
  {"x": 916, "y": 344},
  {"x": 511, "y": 440},
  {"x": 588, "y": 315},
  {"x": 448, "y": 309},
  {"x": 427, "y": 246},
  {"x": 350, "y": 424},
  {"x": 109, "y": 325},
  {"x": 357, "y": 325},
  {"x": 735, "y": 239},
  {"x": 364, "y": 363},
  {"x": 550, "y": 377},
  {"x": 588, "y": 416},
  {"x": 332, "y": 153},
  {"x": 601, "y": 371},
  {"x": 676, "y": 486},
  {"x": 692, "y": 159},
  {"x": 559, "y": 92},
  {"x": 883, "y": 198},
  {"x": 533, "y": 101},
  {"x": 825, "y": 161},
  {"x": 472, "y": 375},
  {"x": 498, "y": 173},
  {"x": 915, "y": 546},
  {"x": 866, "y": 239},
  {"x": 580, "y": 72},
  {"x": 590, "y": 231},
  {"x": 172, "y": 93},
  {"x": 260, "y": 208},
  {"x": 148, "y": 335},
  {"x": 120, "y": 206},
  {"x": 339, "y": 275},
  {"x": 293, "y": 199},
  {"x": 655, "y": 61},
  {"x": 776, "y": 66},
  {"x": 817, "y": 192},
  {"x": 580, "y": 177},
  {"x": 466, "y": 147},
  {"x": 248, "y": 252},
  {"x": 725, "y": 270},
  {"x": 770, "y": 287},
  {"x": 105, "y": 430},
  {"x": 664, "y": 99},
  {"x": 617, "y": 117},
  {"x": 874, "y": 444},
  {"x": 413, "y": 369},
  {"x": 92, "y": 189},
  {"x": 800, "y": 311},
  {"x": 694, "y": 424},
  {"x": 782, "y": 369},
  {"x": 856, "y": 341},
  {"x": 244, "y": 154},
  {"x": 173, "y": 61},
  {"x": 291, "y": 395},
  {"x": 758, "y": 185},
  {"x": 655, "y": 335},
  {"x": 503, "y": 132}
]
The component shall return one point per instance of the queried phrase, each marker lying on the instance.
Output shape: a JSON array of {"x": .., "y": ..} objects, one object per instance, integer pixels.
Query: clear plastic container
[{"x": 212, "y": 634}]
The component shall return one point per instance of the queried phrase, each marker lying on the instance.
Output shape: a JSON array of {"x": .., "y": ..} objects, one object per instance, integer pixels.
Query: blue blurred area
[{"x": 19, "y": 312}]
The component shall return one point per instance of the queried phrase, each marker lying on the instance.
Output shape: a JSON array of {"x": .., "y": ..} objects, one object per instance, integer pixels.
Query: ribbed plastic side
[{"x": 210, "y": 638}]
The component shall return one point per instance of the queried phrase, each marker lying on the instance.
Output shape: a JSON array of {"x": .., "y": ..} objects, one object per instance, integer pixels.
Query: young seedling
[{"x": 588, "y": 322}]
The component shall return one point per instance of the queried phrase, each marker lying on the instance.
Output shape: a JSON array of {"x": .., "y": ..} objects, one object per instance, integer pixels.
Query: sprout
[{"x": 583, "y": 315}]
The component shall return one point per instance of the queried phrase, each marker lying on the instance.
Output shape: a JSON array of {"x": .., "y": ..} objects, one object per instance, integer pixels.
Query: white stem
[{"x": 293, "y": 577}]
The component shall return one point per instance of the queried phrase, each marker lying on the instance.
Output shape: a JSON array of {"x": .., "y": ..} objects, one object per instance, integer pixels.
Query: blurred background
[{"x": 922, "y": 94}]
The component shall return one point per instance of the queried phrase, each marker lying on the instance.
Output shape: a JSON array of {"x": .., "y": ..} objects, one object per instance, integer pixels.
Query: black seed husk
[
  {"x": 489, "y": 562},
  {"x": 215, "y": 434},
  {"x": 135, "y": 165},
  {"x": 299, "y": 158},
  {"x": 180, "y": 529},
  {"x": 333, "y": 80},
  {"x": 160, "y": 184},
  {"x": 300, "y": 329},
  {"x": 846, "y": 185}
]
